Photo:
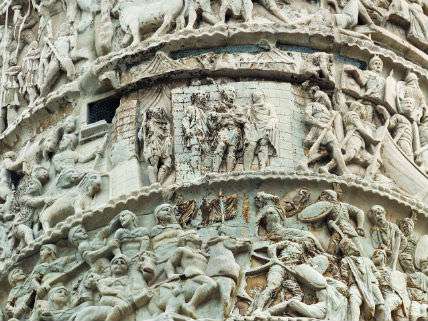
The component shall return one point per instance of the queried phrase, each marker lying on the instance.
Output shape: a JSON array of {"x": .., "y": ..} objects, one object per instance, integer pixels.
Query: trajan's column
[{"x": 213, "y": 160}]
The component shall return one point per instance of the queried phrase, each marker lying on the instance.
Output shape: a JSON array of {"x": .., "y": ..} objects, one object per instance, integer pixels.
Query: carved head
[
  {"x": 48, "y": 252},
  {"x": 41, "y": 174},
  {"x": 70, "y": 124},
  {"x": 379, "y": 257},
  {"x": 50, "y": 143},
  {"x": 407, "y": 226},
  {"x": 165, "y": 214},
  {"x": 127, "y": 219},
  {"x": 58, "y": 296},
  {"x": 77, "y": 234},
  {"x": 349, "y": 248},
  {"x": 119, "y": 265},
  {"x": 15, "y": 276},
  {"x": 34, "y": 187},
  {"x": 376, "y": 64},
  {"x": 377, "y": 214},
  {"x": 328, "y": 195}
]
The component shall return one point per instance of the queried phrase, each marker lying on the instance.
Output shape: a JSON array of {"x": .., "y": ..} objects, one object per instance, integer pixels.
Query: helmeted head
[
  {"x": 190, "y": 239},
  {"x": 48, "y": 251},
  {"x": 59, "y": 296},
  {"x": 15, "y": 276},
  {"x": 119, "y": 265},
  {"x": 41, "y": 174},
  {"x": 77, "y": 234},
  {"x": 328, "y": 195}
]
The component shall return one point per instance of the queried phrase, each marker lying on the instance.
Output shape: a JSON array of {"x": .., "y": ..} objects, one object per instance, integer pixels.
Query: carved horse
[{"x": 137, "y": 15}]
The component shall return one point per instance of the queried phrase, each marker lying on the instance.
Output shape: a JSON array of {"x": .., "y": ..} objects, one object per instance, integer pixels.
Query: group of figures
[
  {"x": 346, "y": 133},
  {"x": 42, "y": 186},
  {"x": 38, "y": 52},
  {"x": 174, "y": 272}
]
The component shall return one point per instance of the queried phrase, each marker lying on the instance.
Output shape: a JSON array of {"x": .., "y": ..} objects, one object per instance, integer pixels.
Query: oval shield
[{"x": 315, "y": 212}]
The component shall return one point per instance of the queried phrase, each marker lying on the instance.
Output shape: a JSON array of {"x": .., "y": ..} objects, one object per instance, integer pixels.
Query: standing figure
[
  {"x": 385, "y": 233},
  {"x": 191, "y": 263},
  {"x": 58, "y": 54},
  {"x": 402, "y": 133},
  {"x": 418, "y": 31},
  {"x": 396, "y": 298},
  {"x": 321, "y": 138},
  {"x": 155, "y": 135},
  {"x": 422, "y": 152},
  {"x": 372, "y": 80},
  {"x": 408, "y": 248},
  {"x": 11, "y": 96},
  {"x": 260, "y": 132},
  {"x": 338, "y": 216},
  {"x": 360, "y": 274},
  {"x": 195, "y": 130},
  {"x": 410, "y": 98},
  {"x": 30, "y": 69},
  {"x": 227, "y": 123}
]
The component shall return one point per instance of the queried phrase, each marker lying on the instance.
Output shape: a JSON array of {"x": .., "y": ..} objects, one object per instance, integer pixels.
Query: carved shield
[
  {"x": 311, "y": 277},
  {"x": 315, "y": 212},
  {"x": 421, "y": 250}
]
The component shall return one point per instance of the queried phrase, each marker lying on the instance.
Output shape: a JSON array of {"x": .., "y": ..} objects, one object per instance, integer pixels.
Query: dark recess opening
[{"x": 103, "y": 109}]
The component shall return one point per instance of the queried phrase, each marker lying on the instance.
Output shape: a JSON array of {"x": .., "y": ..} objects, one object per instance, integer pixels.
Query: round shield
[{"x": 315, "y": 212}]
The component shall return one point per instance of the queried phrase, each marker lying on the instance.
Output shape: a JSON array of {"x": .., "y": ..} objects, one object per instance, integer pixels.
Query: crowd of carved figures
[
  {"x": 348, "y": 128},
  {"x": 47, "y": 42},
  {"x": 367, "y": 266}
]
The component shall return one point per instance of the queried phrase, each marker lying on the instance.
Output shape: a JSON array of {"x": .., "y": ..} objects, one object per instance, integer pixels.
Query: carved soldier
[
  {"x": 371, "y": 80},
  {"x": 408, "y": 248},
  {"x": 360, "y": 274},
  {"x": 321, "y": 138},
  {"x": 118, "y": 292},
  {"x": 284, "y": 256},
  {"x": 402, "y": 133},
  {"x": 132, "y": 239},
  {"x": 418, "y": 290},
  {"x": 58, "y": 55},
  {"x": 385, "y": 233},
  {"x": 410, "y": 98},
  {"x": 422, "y": 152},
  {"x": 11, "y": 95},
  {"x": 195, "y": 129},
  {"x": 396, "y": 298},
  {"x": 155, "y": 134},
  {"x": 338, "y": 215},
  {"x": 190, "y": 263},
  {"x": 228, "y": 123},
  {"x": 260, "y": 132},
  {"x": 224, "y": 269},
  {"x": 30, "y": 70},
  {"x": 18, "y": 304}
]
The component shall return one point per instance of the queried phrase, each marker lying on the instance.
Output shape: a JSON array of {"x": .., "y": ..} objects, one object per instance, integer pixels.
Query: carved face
[
  {"x": 50, "y": 143},
  {"x": 16, "y": 276},
  {"x": 147, "y": 266},
  {"x": 378, "y": 215},
  {"x": 119, "y": 266},
  {"x": 407, "y": 227},
  {"x": 59, "y": 295},
  {"x": 164, "y": 214},
  {"x": 328, "y": 196},
  {"x": 376, "y": 65},
  {"x": 70, "y": 125},
  {"x": 46, "y": 253},
  {"x": 34, "y": 187},
  {"x": 80, "y": 234},
  {"x": 126, "y": 218}
]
